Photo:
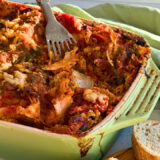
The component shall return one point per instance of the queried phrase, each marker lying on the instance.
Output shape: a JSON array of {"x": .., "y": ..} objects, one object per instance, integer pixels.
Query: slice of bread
[{"x": 146, "y": 140}]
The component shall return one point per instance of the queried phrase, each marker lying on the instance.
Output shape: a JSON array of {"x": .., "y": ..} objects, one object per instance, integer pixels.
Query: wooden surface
[{"x": 126, "y": 154}]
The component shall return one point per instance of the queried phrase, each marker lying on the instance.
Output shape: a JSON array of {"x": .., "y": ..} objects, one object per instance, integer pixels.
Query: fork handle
[{"x": 46, "y": 7}]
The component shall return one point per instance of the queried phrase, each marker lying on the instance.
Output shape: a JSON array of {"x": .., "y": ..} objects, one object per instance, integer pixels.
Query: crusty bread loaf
[{"x": 146, "y": 140}]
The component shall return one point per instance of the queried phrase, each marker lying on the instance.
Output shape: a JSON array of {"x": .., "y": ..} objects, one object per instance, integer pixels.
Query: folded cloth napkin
[{"x": 139, "y": 19}]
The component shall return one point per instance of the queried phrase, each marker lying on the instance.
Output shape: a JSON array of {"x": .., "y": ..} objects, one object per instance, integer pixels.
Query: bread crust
[{"x": 140, "y": 151}]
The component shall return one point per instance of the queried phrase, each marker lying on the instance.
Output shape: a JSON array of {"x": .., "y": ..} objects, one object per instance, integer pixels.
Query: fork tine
[
  {"x": 67, "y": 44},
  {"x": 59, "y": 48},
  {"x": 54, "y": 48},
  {"x": 62, "y": 43},
  {"x": 74, "y": 40},
  {"x": 69, "y": 40},
  {"x": 48, "y": 44}
]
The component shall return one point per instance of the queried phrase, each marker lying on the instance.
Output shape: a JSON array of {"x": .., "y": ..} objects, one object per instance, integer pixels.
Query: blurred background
[{"x": 91, "y": 3}]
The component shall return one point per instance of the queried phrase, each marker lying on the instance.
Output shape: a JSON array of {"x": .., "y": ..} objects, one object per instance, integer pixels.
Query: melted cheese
[
  {"x": 92, "y": 96},
  {"x": 18, "y": 78},
  {"x": 5, "y": 66}
]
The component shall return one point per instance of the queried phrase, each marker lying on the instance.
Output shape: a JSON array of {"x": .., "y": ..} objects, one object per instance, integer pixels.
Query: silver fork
[{"x": 56, "y": 33}]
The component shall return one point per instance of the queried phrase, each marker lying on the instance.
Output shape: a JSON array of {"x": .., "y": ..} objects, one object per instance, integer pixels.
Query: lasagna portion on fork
[{"x": 72, "y": 92}]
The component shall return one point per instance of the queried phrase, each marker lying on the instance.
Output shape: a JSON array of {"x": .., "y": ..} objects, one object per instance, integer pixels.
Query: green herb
[{"x": 33, "y": 54}]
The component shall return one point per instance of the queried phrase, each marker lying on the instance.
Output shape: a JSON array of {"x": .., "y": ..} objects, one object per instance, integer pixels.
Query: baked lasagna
[{"x": 74, "y": 91}]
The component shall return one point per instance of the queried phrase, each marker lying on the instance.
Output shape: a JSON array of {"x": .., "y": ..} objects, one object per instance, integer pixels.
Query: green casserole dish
[{"x": 22, "y": 142}]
